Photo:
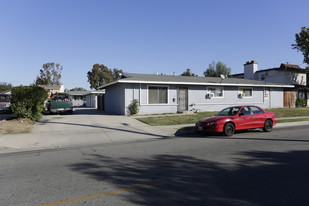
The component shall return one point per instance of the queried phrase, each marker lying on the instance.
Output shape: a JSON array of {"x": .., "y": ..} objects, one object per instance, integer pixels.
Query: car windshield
[{"x": 230, "y": 111}]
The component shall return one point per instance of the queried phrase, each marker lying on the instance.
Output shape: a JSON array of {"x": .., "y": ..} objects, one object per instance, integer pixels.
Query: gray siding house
[
  {"x": 172, "y": 94},
  {"x": 289, "y": 74}
]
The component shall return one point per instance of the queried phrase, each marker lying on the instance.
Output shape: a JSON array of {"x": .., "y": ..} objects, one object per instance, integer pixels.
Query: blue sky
[{"x": 145, "y": 36}]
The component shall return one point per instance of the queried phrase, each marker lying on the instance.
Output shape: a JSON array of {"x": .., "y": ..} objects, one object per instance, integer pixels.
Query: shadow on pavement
[
  {"x": 190, "y": 132},
  {"x": 258, "y": 178}
]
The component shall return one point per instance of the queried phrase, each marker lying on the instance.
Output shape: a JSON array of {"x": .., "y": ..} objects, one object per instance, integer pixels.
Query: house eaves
[{"x": 260, "y": 84}]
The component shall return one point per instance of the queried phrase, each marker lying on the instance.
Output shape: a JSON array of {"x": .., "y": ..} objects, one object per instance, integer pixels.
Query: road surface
[{"x": 249, "y": 168}]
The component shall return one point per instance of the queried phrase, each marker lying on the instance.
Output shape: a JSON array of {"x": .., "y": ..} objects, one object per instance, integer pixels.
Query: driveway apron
[{"x": 86, "y": 126}]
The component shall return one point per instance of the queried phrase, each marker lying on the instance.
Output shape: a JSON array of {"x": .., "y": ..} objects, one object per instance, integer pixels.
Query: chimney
[{"x": 250, "y": 67}]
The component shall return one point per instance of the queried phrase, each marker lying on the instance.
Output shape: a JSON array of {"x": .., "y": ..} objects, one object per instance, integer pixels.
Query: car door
[
  {"x": 245, "y": 119},
  {"x": 258, "y": 117}
]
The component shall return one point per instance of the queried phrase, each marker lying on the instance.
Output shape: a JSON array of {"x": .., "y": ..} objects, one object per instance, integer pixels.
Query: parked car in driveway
[
  {"x": 59, "y": 103},
  {"x": 5, "y": 102},
  {"x": 235, "y": 118}
]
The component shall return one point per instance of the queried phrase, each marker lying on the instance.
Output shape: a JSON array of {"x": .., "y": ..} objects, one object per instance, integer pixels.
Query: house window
[
  {"x": 245, "y": 92},
  {"x": 216, "y": 91},
  {"x": 157, "y": 95}
]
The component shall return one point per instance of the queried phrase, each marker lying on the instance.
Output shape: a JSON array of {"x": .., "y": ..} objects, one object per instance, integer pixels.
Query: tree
[
  {"x": 50, "y": 74},
  {"x": 4, "y": 87},
  {"x": 117, "y": 73},
  {"x": 78, "y": 89},
  {"x": 101, "y": 75},
  {"x": 188, "y": 73},
  {"x": 215, "y": 70},
  {"x": 302, "y": 43}
]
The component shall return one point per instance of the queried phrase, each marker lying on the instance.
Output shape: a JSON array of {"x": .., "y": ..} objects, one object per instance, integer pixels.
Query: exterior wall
[
  {"x": 140, "y": 92},
  {"x": 115, "y": 99},
  {"x": 91, "y": 101},
  {"x": 276, "y": 98},
  {"x": 282, "y": 77},
  {"x": 197, "y": 98}
]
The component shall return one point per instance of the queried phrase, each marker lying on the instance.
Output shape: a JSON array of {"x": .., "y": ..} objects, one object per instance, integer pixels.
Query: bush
[
  {"x": 133, "y": 107},
  {"x": 301, "y": 102},
  {"x": 28, "y": 102}
]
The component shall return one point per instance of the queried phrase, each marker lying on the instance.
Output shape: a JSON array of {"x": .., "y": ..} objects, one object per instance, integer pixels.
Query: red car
[{"x": 238, "y": 118}]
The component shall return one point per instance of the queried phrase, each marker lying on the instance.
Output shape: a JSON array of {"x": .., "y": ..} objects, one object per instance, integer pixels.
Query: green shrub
[
  {"x": 28, "y": 102},
  {"x": 133, "y": 107},
  {"x": 301, "y": 102}
]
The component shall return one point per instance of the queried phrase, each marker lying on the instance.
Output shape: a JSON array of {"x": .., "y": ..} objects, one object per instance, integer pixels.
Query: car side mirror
[{"x": 241, "y": 114}]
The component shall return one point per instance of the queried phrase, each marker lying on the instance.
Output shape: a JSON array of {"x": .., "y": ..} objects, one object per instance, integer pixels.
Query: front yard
[
  {"x": 192, "y": 118},
  {"x": 15, "y": 126}
]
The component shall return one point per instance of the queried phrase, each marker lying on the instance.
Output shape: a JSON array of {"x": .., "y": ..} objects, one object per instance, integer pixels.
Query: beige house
[{"x": 51, "y": 89}]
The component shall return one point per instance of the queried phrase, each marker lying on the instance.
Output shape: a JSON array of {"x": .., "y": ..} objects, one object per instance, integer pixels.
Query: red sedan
[{"x": 238, "y": 118}]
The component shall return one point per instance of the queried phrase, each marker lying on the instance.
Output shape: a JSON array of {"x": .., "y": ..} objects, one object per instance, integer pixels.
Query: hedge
[{"x": 28, "y": 102}]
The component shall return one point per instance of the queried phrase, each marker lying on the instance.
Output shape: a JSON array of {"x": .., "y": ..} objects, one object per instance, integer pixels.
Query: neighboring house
[
  {"x": 94, "y": 99},
  {"x": 78, "y": 97},
  {"x": 289, "y": 74},
  {"x": 91, "y": 99},
  {"x": 171, "y": 94},
  {"x": 51, "y": 89}
]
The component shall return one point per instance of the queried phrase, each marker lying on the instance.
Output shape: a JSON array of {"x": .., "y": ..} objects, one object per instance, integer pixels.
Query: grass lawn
[
  {"x": 290, "y": 112},
  {"x": 15, "y": 126},
  {"x": 192, "y": 118},
  {"x": 293, "y": 120}
]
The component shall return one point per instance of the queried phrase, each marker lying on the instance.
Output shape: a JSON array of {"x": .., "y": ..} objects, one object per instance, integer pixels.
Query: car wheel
[
  {"x": 268, "y": 126},
  {"x": 228, "y": 129}
]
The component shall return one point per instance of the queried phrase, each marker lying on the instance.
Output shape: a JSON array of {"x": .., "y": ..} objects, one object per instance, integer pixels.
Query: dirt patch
[{"x": 15, "y": 126}]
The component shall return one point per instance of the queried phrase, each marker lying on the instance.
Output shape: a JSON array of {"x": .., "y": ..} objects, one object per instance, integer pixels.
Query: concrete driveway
[{"x": 85, "y": 127}]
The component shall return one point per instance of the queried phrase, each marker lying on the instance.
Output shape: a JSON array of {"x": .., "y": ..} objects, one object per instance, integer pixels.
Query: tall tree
[
  {"x": 188, "y": 73},
  {"x": 101, "y": 75},
  {"x": 216, "y": 69},
  {"x": 4, "y": 87},
  {"x": 302, "y": 43},
  {"x": 50, "y": 74}
]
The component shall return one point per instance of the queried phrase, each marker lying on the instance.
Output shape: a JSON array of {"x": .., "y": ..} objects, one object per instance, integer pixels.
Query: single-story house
[
  {"x": 171, "y": 94},
  {"x": 78, "y": 97},
  {"x": 289, "y": 74}
]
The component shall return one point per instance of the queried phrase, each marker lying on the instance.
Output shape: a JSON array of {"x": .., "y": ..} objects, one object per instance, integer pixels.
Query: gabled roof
[{"x": 189, "y": 80}]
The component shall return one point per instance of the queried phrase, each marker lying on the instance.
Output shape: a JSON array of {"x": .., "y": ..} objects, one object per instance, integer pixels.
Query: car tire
[
  {"x": 268, "y": 126},
  {"x": 228, "y": 129}
]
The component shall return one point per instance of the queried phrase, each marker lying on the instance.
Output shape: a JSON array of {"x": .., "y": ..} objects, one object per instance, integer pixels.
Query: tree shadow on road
[{"x": 257, "y": 178}]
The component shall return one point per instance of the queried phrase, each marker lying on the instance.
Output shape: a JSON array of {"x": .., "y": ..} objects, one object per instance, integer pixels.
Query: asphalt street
[{"x": 249, "y": 168}]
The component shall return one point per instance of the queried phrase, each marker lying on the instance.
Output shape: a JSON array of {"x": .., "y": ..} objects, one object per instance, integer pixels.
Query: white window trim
[
  {"x": 168, "y": 99},
  {"x": 245, "y": 97},
  {"x": 214, "y": 93}
]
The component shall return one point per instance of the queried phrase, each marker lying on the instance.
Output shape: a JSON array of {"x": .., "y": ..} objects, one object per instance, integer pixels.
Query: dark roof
[{"x": 189, "y": 80}]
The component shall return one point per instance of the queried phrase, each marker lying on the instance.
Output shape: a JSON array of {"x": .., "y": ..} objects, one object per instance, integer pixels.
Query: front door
[{"x": 182, "y": 99}]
